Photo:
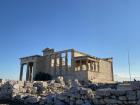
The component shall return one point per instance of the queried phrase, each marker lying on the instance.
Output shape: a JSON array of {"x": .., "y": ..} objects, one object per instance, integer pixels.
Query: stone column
[
  {"x": 34, "y": 70},
  {"x": 91, "y": 65},
  {"x": 66, "y": 61},
  {"x": 60, "y": 64},
  {"x": 30, "y": 72},
  {"x": 96, "y": 66},
  {"x": 112, "y": 70},
  {"x": 81, "y": 65},
  {"x": 21, "y": 72},
  {"x": 72, "y": 60},
  {"x": 50, "y": 64},
  {"x": 27, "y": 73},
  {"x": 87, "y": 68},
  {"x": 55, "y": 62}
]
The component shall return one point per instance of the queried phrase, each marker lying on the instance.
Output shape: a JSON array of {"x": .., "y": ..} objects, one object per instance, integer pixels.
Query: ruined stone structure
[{"x": 70, "y": 64}]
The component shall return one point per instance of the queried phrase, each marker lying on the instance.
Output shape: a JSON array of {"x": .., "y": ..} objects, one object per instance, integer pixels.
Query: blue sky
[{"x": 103, "y": 28}]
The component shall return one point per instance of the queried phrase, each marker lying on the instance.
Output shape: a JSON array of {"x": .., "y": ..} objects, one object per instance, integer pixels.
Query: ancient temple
[{"x": 70, "y": 64}]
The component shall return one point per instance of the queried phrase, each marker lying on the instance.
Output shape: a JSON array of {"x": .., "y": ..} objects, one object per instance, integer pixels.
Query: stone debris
[
  {"x": 6, "y": 90},
  {"x": 54, "y": 93}
]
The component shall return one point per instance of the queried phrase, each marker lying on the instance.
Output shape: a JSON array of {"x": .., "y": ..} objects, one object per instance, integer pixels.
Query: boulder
[
  {"x": 31, "y": 100},
  {"x": 39, "y": 87},
  {"x": 6, "y": 91},
  {"x": 60, "y": 80},
  {"x": 75, "y": 83}
]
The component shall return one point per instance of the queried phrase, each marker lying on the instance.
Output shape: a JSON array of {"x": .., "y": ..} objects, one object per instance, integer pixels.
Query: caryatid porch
[{"x": 86, "y": 63}]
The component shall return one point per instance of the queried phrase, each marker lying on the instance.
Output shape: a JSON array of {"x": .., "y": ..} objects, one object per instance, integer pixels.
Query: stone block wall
[
  {"x": 117, "y": 97},
  {"x": 104, "y": 75}
]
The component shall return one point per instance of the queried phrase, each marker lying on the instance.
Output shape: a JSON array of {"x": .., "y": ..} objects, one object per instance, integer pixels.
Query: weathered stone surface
[
  {"x": 132, "y": 102},
  {"x": 39, "y": 87},
  {"x": 135, "y": 85},
  {"x": 79, "y": 102},
  {"x": 122, "y": 98},
  {"x": 31, "y": 100},
  {"x": 60, "y": 80},
  {"x": 118, "y": 92},
  {"x": 6, "y": 90},
  {"x": 138, "y": 94},
  {"x": 138, "y": 102},
  {"x": 131, "y": 95},
  {"x": 55, "y": 94},
  {"x": 124, "y": 87},
  {"x": 75, "y": 83},
  {"x": 110, "y": 101},
  {"x": 103, "y": 92}
]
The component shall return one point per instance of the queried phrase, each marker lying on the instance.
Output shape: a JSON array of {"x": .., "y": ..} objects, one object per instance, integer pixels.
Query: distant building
[{"x": 70, "y": 64}]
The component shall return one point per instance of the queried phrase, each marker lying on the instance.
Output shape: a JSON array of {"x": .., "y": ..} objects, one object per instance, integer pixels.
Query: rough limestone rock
[
  {"x": 39, "y": 87},
  {"x": 31, "y": 100},
  {"x": 75, "y": 83},
  {"x": 138, "y": 94},
  {"x": 103, "y": 92},
  {"x": 135, "y": 85},
  {"x": 117, "y": 92},
  {"x": 122, "y": 98},
  {"x": 124, "y": 87},
  {"x": 131, "y": 95},
  {"x": 58, "y": 102},
  {"x": 110, "y": 101},
  {"x": 6, "y": 91},
  {"x": 60, "y": 80},
  {"x": 45, "y": 84},
  {"x": 138, "y": 102}
]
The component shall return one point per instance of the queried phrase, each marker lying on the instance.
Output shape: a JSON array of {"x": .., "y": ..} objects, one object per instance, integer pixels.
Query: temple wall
[{"x": 104, "y": 75}]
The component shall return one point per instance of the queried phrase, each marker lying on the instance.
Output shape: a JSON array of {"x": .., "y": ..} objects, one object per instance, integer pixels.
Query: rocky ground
[{"x": 58, "y": 92}]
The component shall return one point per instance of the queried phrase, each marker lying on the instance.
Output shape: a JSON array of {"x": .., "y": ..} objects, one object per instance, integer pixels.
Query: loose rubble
[{"x": 58, "y": 92}]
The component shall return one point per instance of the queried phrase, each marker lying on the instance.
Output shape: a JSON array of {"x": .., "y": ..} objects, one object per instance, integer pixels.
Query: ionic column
[
  {"x": 72, "y": 60},
  {"x": 66, "y": 61},
  {"x": 112, "y": 70},
  {"x": 50, "y": 62},
  {"x": 30, "y": 72},
  {"x": 27, "y": 73},
  {"x": 55, "y": 62},
  {"x": 34, "y": 70},
  {"x": 60, "y": 64},
  {"x": 21, "y": 72}
]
